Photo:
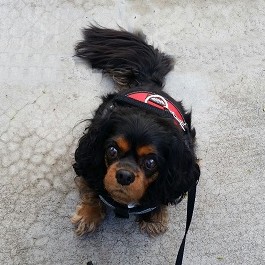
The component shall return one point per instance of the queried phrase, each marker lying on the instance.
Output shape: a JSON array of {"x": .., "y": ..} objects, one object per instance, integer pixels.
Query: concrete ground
[{"x": 219, "y": 48}]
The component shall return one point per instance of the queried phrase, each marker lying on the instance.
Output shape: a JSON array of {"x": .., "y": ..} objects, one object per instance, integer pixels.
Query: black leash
[{"x": 190, "y": 208}]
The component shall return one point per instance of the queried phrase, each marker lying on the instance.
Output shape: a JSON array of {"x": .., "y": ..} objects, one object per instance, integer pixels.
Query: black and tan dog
[{"x": 137, "y": 155}]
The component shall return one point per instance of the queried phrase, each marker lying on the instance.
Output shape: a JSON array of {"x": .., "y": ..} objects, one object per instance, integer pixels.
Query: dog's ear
[
  {"x": 89, "y": 155},
  {"x": 181, "y": 171}
]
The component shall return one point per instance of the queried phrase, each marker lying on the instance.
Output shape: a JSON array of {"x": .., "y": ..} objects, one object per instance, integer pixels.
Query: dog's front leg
[
  {"x": 90, "y": 212},
  {"x": 154, "y": 223}
]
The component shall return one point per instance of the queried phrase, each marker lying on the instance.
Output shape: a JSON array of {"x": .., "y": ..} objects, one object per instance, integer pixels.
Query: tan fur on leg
[
  {"x": 90, "y": 212},
  {"x": 157, "y": 224}
]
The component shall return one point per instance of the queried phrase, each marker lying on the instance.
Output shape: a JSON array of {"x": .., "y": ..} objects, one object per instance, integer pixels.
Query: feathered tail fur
[{"x": 126, "y": 57}]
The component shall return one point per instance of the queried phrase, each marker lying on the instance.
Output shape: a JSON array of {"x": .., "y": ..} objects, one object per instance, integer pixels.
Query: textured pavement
[{"x": 219, "y": 48}]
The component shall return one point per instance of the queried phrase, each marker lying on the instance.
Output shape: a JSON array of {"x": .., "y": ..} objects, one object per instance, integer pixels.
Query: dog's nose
[{"x": 124, "y": 177}]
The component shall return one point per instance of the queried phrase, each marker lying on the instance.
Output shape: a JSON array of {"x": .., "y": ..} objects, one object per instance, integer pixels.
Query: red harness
[{"x": 161, "y": 103}]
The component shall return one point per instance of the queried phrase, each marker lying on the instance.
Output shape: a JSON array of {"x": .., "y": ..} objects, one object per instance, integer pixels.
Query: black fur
[
  {"x": 126, "y": 57},
  {"x": 134, "y": 64}
]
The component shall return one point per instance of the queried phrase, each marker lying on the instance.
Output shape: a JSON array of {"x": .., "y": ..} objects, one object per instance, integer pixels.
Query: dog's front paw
[
  {"x": 152, "y": 228},
  {"x": 156, "y": 224},
  {"x": 87, "y": 218}
]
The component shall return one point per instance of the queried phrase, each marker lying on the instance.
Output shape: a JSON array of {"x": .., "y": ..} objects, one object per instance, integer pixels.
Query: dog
[{"x": 137, "y": 155}]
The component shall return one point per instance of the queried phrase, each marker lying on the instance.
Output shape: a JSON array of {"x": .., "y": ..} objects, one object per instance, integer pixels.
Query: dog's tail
[{"x": 126, "y": 57}]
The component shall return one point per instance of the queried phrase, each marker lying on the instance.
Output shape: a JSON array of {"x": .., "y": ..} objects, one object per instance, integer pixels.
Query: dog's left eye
[
  {"x": 150, "y": 164},
  {"x": 112, "y": 152}
]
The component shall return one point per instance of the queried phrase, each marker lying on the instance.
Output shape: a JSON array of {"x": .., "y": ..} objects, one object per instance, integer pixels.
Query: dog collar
[
  {"x": 155, "y": 102},
  {"x": 122, "y": 210}
]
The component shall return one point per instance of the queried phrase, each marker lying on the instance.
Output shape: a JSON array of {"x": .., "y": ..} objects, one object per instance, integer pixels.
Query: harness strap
[
  {"x": 124, "y": 211},
  {"x": 155, "y": 103}
]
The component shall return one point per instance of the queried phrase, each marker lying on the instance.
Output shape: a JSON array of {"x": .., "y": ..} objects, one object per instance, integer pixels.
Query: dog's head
[
  {"x": 137, "y": 157},
  {"x": 131, "y": 167}
]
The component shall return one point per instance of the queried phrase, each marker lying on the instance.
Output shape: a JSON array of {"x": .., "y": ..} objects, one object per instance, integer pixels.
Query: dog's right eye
[
  {"x": 150, "y": 164},
  {"x": 112, "y": 152}
]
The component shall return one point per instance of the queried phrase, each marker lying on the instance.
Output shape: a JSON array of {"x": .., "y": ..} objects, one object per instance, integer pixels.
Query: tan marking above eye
[
  {"x": 146, "y": 150},
  {"x": 123, "y": 144}
]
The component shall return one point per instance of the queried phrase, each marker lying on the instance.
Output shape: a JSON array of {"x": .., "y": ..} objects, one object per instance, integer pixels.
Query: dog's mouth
[{"x": 121, "y": 196}]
